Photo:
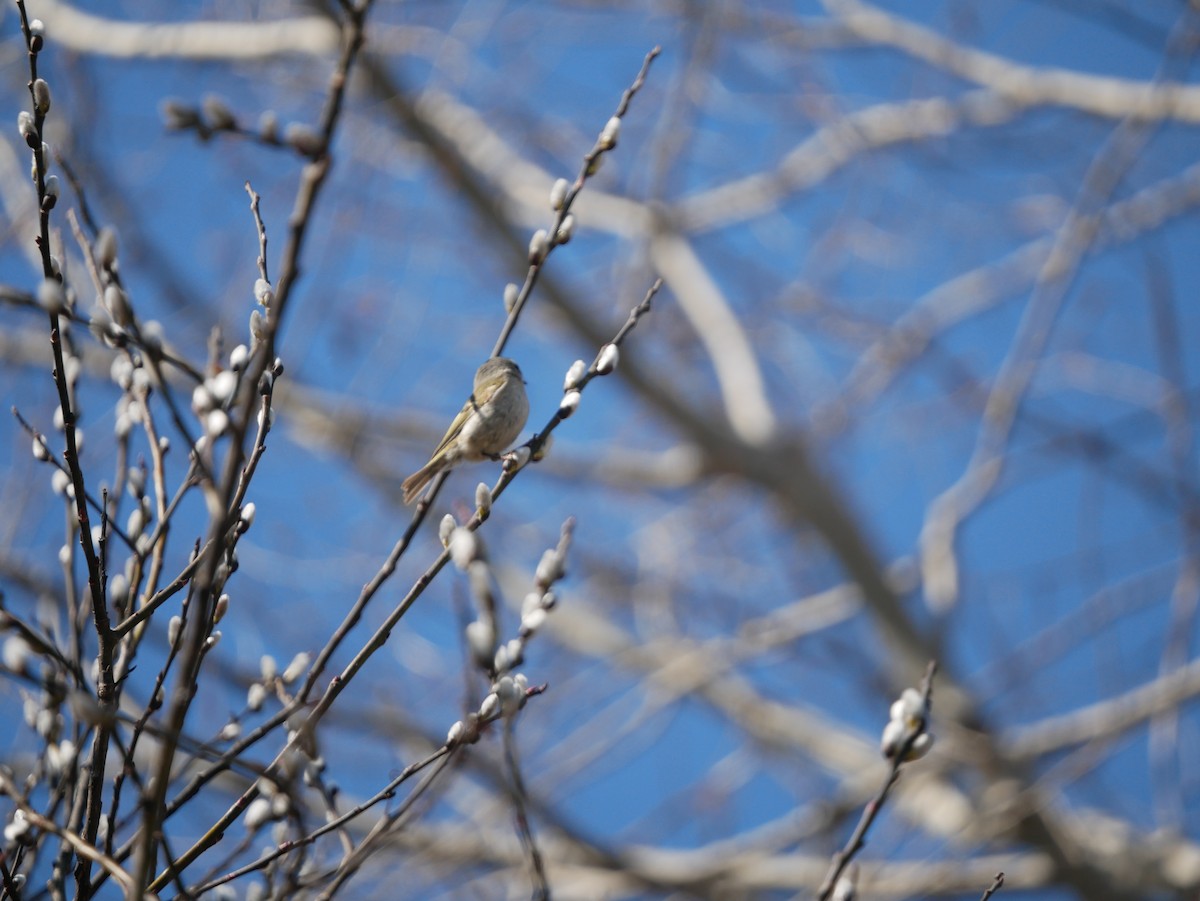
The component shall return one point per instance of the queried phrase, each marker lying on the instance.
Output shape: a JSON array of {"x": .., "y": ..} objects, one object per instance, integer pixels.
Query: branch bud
[
  {"x": 41, "y": 96},
  {"x": 610, "y": 134},
  {"x": 607, "y": 359},
  {"x": 575, "y": 375},
  {"x": 569, "y": 404},
  {"x": 558, "y": 194},
  {"x": 539, "y": 245}
]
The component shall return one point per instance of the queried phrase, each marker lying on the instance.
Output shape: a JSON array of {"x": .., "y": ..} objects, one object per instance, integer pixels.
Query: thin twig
[
  {"x": 312, "y": 180},
  {"x": 590, "y": 165},
  {"x": 541, "y": 886},
  {"x": 858, "y": 839},
  {"x": 385, "y": 794}
]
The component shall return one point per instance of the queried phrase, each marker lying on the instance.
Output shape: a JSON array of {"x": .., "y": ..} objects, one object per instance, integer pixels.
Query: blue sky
[{"x": 400, "y": 298}]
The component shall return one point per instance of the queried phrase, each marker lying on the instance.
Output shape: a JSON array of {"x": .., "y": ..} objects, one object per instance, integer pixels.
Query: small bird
[{"x": 488, "y": 423}]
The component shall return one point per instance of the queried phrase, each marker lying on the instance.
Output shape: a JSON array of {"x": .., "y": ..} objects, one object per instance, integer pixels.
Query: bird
[{"x": 488, "y": 423}]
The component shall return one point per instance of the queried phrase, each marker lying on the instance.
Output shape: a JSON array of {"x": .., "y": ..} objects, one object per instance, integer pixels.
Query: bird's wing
[{"x": 456, "y": 427}]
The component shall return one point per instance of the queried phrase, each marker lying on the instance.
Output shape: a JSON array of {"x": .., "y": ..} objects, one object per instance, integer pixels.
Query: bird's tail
[{"x": 415, "y": 483}]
